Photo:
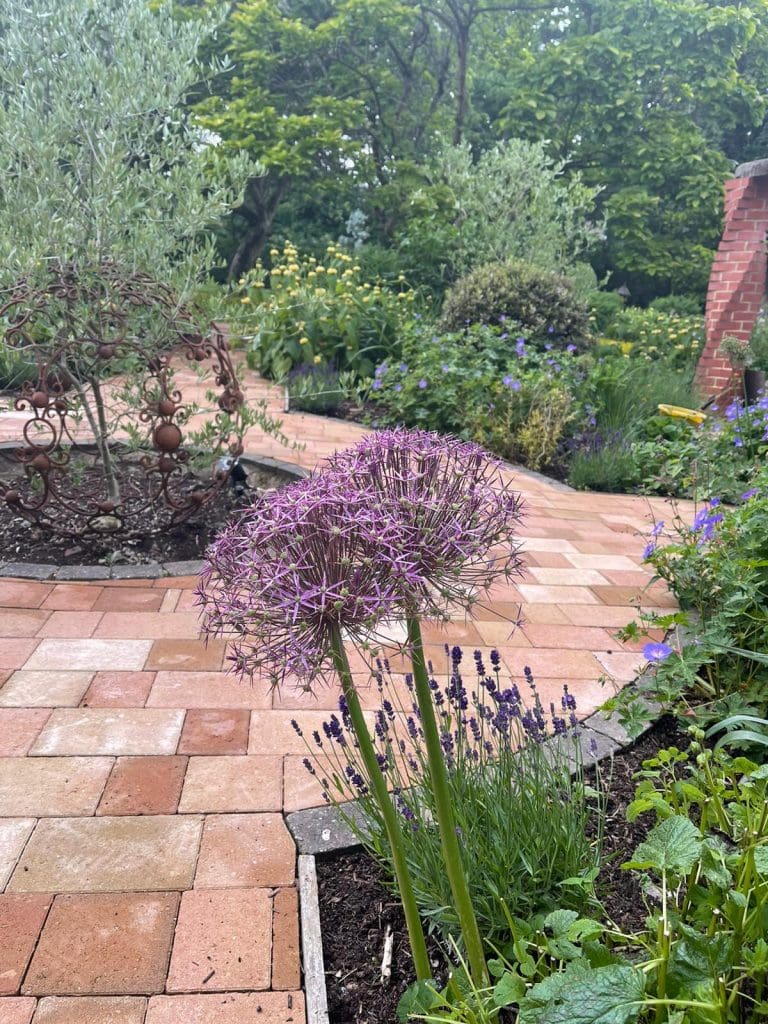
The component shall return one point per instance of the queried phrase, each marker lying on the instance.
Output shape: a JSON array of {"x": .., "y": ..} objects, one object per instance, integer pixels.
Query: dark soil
[
  {"x": 148, "y": 537},
  {"x": 356, "y": 908}
]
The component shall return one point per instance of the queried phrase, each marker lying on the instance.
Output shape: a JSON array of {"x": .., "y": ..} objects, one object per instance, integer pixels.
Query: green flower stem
[
  {"x": 445, "y": 817},
  {"x": 383, "y": 799}
]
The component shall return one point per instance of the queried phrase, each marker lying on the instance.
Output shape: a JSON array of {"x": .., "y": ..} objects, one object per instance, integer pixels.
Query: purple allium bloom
[
  {"x": 301, "y": 563},
  {"x": 453, "y": 512},
  {"x": 422, "y": 383},
  {"x": 656, "y": 652}
]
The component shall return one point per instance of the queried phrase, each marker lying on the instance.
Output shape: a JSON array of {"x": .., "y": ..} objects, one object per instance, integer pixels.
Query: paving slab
[
  {"x": 16, "y": 1009},
  {"x": 91, "y": 655},
  {"x": 107, "y": 943},
  {"x": 19, "y": 728},
  {"x": 118, "y": 690},
  {"x": 143, "y": 785},
  {"x": 245, "y": 850},
  {"x": 110, "y": 731},
  {"x": 232, "y": 1008},
  {"x": 223, "y": 941},
  {"x": 91, "y": 1010},
  {"x": 235, "y": 783},
  {"x": 117, "y": 854},
  {"x": 286, "y": 958},
  {"x": 21, "y": 919},
  {"x": 14, "y": 833},
  {"x": 213, "y": 731},
  {"x": 51, "y": 786},
  {"x": 45, "y": 689},
  {"x": 205, "y": 690}
]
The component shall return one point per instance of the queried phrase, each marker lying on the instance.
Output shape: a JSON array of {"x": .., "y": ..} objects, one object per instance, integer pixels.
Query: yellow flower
[
  {"x": 356, "y": 268},
  {"x": 274, "y": 252},
  {"x": 319, "y": 291},
  {"x": 311, "y": 274},
  {"x": 320, "y": 270},
  {"x": 318, "y": 359},
  {"x": 304, "y": 340},
  {"x": 677, "y": 412},
  {"x": 332, "y": 270},
  {"x": 246, "y": 300}
]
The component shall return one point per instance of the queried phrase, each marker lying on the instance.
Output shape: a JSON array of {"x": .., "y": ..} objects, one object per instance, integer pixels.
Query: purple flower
[
  {"x": 452, "y": 510},
  {"x": 749, "y": 494},
  {"x": 570, "y": 348},
  {"x": 658, "y": 528},
  {"x": 376, "y": 386},
  {"x": 520, "y": 347},
  {"x": 648, "y": 550},
  {"x": 300, "y": 564},
  {"x": 656, "y": 652},
  {"x": 422, "y": 384},
  {"x": 398, "y": 387},
  {"x": 445, "y": 368},
  {"x": 403, "y": 367},
  {"x": 550, "y": 330}
]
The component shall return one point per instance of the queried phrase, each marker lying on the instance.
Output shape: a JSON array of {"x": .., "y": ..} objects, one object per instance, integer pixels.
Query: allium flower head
[
  {"x": 455, "y": 514},
  {"x": 300, "y": 563}
]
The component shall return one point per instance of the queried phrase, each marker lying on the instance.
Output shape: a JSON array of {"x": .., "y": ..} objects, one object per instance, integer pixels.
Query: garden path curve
[{"x": 146, "y": 873}]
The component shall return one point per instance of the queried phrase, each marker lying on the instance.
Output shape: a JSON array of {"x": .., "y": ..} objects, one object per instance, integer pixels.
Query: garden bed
[
  {"x": 357, "y": 909},
  {"x": 149, "y": 539}
]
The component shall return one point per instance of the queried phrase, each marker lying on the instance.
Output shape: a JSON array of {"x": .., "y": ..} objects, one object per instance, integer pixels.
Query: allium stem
[
  {"x": 388, "y": 812},
  {"x": 444, "y": 809}
]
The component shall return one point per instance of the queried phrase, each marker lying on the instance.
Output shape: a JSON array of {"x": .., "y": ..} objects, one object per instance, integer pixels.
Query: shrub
[
  {"x": 682, "y": 305},
  {"x": 656, "y": 335},
  {"x": 543, "y": 304},
  {"x": 500, "y": 776},
  {"x": 314, "y": 388},
  {"x": 603, "y": 309},
  {"x": 303, "y": 310}
]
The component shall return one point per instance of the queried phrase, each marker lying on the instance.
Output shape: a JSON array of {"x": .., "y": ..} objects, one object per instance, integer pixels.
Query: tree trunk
[{"x": 258, "y": 210}]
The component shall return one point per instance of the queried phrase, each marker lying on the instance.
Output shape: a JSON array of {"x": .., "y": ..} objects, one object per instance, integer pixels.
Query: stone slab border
[
  {"x": 142, "y": 571},
  {"x": 323, "y": 830}
]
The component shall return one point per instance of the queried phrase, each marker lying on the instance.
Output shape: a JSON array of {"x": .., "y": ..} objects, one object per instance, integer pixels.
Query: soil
[
  {"x": 356, "y": 907},
  {"x": 149, "y": 538}
]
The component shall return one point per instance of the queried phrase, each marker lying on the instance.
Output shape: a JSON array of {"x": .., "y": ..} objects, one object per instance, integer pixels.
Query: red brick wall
[{"x": 737, "y": 283}]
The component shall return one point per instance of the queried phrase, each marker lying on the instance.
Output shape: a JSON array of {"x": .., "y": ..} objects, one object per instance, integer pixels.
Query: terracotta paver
[
  {"x": 215, "y": 731},
  {"x": 242, "y": 850},
  {"x": 14, "y": 833},
  {"x": 189, "y": 655},
  {"x": 191, "y": 689},
  {"x": 39, "y": 787},
  {"x": 118, "y": 690},
  {"x": 21, "y": 919},
  {"x": 109, "y": 943},
  {"x": 19, "y": 728},
  {"x": 234, "y": 1008},
  {"x": 137, "y": 776},
  {"x": 16, "y": 1009},
  {"x": 118, "y": 854},
  {"x": 143, "y": 785},
  {"x": 239, "y": 783},
  {"x": 110, "y": 731},
  {"x": 223, "y": 941},
  {"x": 91, "y": 1010},
  {"x": 47, "y": 688},
  {"x": 91, "y": 655},
  {"x": 286, "y": 960}
]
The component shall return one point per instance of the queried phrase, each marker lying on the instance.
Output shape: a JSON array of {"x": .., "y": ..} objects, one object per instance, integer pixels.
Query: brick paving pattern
[{"x": 146, "y": 872}]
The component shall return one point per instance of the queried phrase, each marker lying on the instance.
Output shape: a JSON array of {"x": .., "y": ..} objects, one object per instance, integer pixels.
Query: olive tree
[{"x": 108, "y": 194}]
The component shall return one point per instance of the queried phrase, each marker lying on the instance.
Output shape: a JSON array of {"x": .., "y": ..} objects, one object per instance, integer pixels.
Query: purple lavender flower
[
  {"x": 300, "y": 564},
  {"x": 453, "y": 512},
  {"x": 656, "y": 652}
]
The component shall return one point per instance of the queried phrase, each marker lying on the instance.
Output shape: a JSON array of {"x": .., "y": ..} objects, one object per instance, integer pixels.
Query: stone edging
[
  {"x": 322, "y": 830},
  {"x": 141, "y": 571}
]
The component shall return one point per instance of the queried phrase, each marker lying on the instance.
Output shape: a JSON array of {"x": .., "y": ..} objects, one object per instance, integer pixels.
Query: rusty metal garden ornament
[{"x": 106, "y": 438}]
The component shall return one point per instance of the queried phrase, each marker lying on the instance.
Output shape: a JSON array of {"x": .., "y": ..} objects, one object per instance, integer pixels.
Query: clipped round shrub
[{"x": 545, "y": 305}]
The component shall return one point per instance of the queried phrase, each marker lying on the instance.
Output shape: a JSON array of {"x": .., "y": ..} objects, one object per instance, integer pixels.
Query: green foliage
[
  {"x": 314, "y": 388},
  {"x": 655, "y": 334},
  {"x": 302, "y": 310},
  {"x": 543, "y": 304},
  {"x": 511, "y": 203},
  {"x": 517, "y": 861},
  {"x": 603, "y": 308},
  {"x": 716, "y": 567},
  {"x": 701, "y": 956},
  {"x": 15, "y": 367},
  {"x": 682, "y": 305}
]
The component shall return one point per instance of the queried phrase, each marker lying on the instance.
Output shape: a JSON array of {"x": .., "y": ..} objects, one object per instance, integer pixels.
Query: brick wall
[{"x": 737, "y": 283}]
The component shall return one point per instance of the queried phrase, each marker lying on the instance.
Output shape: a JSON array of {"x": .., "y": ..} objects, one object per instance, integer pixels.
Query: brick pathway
[{"x": 146, "y": 873}]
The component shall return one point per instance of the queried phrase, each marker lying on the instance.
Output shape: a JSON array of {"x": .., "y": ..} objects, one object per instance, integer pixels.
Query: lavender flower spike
[
  {"x": 455, "y": 514},
  {"x": 301, "y": 562}
]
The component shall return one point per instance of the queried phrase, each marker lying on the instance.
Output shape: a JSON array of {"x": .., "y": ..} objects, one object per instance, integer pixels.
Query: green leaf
[
  {"x": 607, "y": 995},
  {"x": 509, "y": 989},
  {"x": 418, "y": 998},
  {"x": 559, "y": 921},
  {"x": 672, "y": 845},
  {"x": 761, "y": 860}
]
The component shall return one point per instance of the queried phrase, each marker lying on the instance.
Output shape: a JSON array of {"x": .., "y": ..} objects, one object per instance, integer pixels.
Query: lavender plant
[
  {"x": 520, "y": 815},
  {"x": 285, "y": 582},
  {"x": 455, "y": 516}
]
